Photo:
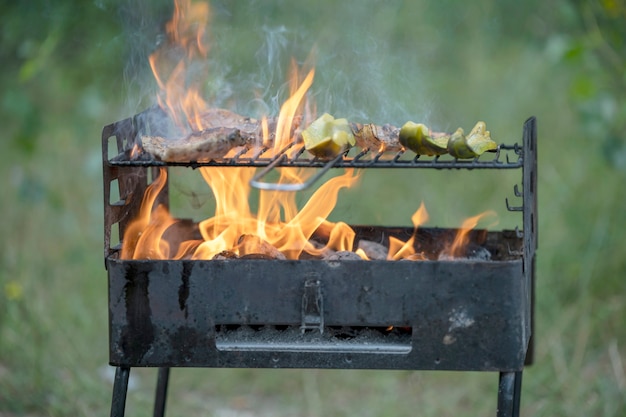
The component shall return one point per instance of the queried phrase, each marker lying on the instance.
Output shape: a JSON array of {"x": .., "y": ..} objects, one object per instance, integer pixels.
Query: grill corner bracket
[{"x": 312, "y": 306}]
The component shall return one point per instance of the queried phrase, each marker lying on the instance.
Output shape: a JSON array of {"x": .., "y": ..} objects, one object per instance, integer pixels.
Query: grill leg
[
  {"x": 509, "y": 393},
  {"x": 161, "y": 392},
  {"x": 120, "y": 388}
]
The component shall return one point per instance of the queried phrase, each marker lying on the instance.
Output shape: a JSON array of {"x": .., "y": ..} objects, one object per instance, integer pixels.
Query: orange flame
[
  {"x": 457, "y": 248},
  {"x": 291, "y": 107},
  {"x": 278, "y": 221},
  {"x": 138, "y": 233},
  {"x": 187, "y": 46},
  {"x": 406, "y": 250},
  {"x": 234, "y": 227},
  {"x": 234, "y": 218}
]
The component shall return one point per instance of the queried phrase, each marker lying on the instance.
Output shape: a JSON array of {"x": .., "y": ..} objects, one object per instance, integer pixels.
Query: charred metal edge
[{"x": 530, "y": 222}]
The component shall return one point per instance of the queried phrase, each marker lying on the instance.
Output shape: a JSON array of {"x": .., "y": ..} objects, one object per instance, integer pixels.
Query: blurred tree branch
[
  {"x": 597, "y": 55},
  {"x": 607, "y": 38}
]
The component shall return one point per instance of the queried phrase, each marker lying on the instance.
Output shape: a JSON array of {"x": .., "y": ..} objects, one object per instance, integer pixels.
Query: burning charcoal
[
  {"x": 373, "y": 250},
  {"x": 472, "y": 253},
  {"x": 342, "y": 255},
  {"x": 446, "y": 256},
  {"x": 226, "y": 254},
  {"x": 415, "y": 257},
  {"x": 478, "y": 253},
  {"x": 316, "y": 244},
  {"x": 321, "y": 251},
  {"x": 183, "y": 238},
  {"x": 254, "y": 245},
  {"x": 259, "y": 256}
]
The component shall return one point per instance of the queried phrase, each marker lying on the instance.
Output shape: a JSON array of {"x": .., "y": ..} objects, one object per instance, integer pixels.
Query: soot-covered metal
[
  {"x": 463, "y": 315},
  {"x": 454, "y": 314}
]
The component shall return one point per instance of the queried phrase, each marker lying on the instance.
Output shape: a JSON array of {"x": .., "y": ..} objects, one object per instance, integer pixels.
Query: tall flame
[
  {"x": 235, "y": 228},
  {"x": 172, "y": 65},
  {"x": 138, "y": 238},
  {"x": 234, "y": 218},
  {"x": 292, "y": 106}
]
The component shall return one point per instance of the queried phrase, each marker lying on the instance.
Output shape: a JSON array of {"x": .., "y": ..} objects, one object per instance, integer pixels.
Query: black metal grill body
[
  {"x": 463, "y": 315},
  {"x": 449, "y": 315}
]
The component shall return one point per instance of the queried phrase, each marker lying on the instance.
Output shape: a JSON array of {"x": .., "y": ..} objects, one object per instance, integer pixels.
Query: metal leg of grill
[
  {"x": 509, "y": 393},
  {"x": 120, "y": 388},
  {"x": 161, "y": 392}
]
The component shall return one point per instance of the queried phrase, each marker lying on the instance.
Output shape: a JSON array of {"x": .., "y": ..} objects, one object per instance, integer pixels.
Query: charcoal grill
[{"x": 466, "y": 315}]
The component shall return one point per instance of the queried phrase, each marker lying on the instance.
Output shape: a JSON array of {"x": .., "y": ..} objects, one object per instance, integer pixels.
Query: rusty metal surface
[{"x": 464, "y": 315}]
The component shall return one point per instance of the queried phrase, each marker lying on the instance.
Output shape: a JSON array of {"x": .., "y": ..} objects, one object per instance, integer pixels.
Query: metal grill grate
[{"x": 294, "y": 155}]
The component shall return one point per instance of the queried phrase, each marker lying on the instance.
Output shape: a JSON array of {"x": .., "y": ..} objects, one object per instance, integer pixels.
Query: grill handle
[{"x": 257, "y": 183}]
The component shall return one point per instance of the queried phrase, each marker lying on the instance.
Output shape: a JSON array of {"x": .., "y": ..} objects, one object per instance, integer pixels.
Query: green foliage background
[{"x": 69, "y": 68}]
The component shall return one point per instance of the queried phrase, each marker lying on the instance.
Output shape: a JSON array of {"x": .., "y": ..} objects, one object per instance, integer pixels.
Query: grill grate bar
[{"x": 293, "y": 155}]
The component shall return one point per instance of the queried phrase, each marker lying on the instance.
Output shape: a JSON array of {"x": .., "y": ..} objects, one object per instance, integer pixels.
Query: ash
[
  {"x": 474, "y": 253},
  {"x": 330, "y": 338}
]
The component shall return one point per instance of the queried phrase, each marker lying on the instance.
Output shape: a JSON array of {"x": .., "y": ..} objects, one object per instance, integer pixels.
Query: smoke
[
  {"x": 360, "y": 72},
  {"x": 261, "y": 90},
  {"x": 143, "y": 23}
]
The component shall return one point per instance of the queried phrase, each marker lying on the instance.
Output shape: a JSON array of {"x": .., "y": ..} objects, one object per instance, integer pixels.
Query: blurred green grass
[{"x": 77, "y": 66}]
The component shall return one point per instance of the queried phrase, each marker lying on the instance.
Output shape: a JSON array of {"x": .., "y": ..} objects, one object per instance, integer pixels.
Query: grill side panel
[{"x": 461, "y": 315}]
